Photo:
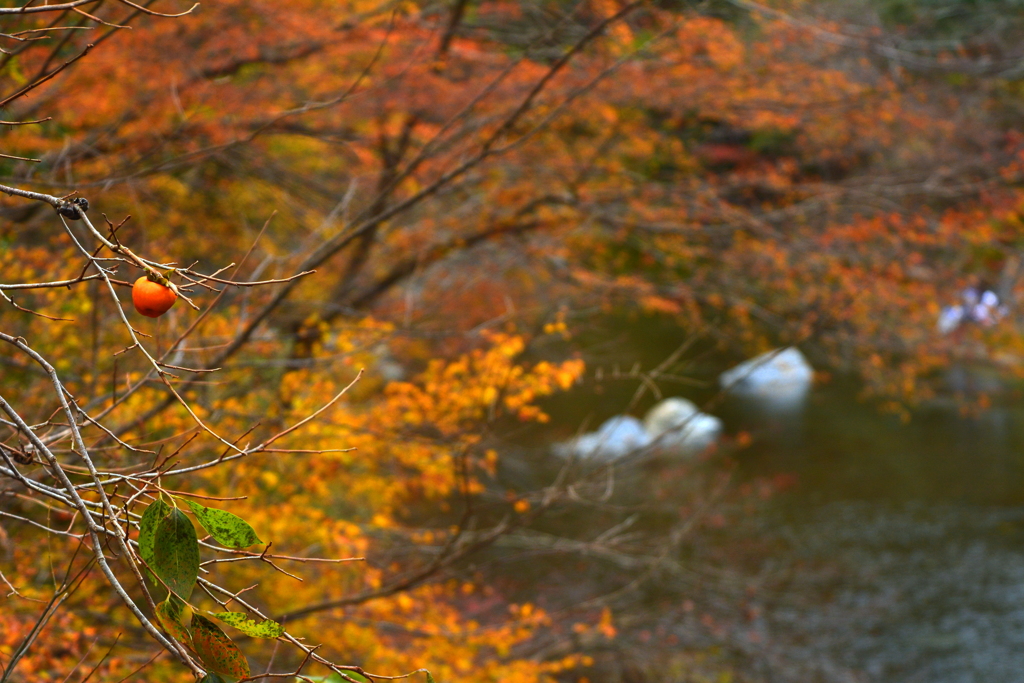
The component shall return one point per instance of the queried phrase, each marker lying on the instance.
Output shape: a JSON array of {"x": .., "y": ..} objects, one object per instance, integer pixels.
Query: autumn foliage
[{"x": 437, "y": 196}]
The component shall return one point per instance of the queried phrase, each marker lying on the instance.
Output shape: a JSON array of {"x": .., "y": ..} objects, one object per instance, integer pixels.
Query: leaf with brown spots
[
  {"x": 216, "y": 650},
  {"x": 174, "y": 616}
]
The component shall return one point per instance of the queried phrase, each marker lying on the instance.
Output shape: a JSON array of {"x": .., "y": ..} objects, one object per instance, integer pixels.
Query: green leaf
[
  {"x": 430, "y": 679},
  {"x": 250, "y": 627},
  {"x": 216, "y": 650},
  {"x": 151, "y": 517},
  {"x": 176, "y": 553},
  {"x": 228, "y": 529},
  {"x": 334, "y": 677},
  {"x": 174, "y": 616}
]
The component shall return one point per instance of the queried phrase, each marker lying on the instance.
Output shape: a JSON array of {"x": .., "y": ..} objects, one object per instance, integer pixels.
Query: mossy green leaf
[
  {"x": 215, "y": 649},
  {"x": 175, "y": 616},
  {"x": 227, "y": 528},
  {"x": 151, "y": 518},
  {"x": 250, "y": 627},
  {"x": 176, "y": 553}
]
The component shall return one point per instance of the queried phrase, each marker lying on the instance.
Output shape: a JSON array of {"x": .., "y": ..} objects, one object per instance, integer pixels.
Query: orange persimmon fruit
[{"x": 152, "y": 299}]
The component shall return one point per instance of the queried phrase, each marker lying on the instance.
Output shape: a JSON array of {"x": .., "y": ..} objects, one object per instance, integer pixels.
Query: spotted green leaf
[
  {"x": 151, "y": 517},
  {"x": 228, "y": 529},
  {"x": 250, "y": 627},
  {"x": 176, "y": 553},
  {"x": 216, "y": 650},
  {"x": 174, "y": 616}
]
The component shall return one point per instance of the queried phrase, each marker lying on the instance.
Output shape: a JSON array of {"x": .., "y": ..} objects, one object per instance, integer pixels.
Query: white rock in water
[
  {"x": 780, "y": 377},
  {"x": 676, "y": 424},
  {"x": 950, "y": 318},
  {"x": 617, "y": 437}
]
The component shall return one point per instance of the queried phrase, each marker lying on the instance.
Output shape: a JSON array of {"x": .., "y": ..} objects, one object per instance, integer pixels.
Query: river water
[
  {"x": 895, "y": 554},
  {"x": 917, "y": 533}
]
